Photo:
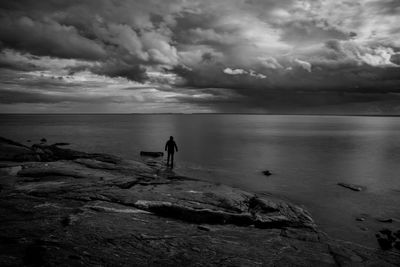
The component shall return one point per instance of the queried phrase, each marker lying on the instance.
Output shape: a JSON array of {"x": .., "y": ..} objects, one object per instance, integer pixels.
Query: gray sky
[{"x": 286, "y": 56}]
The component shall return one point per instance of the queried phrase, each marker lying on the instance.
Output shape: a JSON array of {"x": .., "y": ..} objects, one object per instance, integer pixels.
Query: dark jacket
[{"x": 171, "y": 147}]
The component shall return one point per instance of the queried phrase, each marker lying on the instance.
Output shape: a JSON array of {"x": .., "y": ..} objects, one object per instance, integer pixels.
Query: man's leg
[
  {"x": 168, "y": 159},
  {"x": 172, "y": 160}
]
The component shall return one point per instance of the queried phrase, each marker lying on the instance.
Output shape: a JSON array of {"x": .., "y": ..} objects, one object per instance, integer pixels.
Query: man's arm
[
  {"x": 176, "y": 147},
  {"x": 166, "y": 145}
]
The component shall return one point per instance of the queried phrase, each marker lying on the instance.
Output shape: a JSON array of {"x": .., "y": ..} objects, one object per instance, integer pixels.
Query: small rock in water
[
  {"x": 360, "y": 219},
  {"x": 351, "y": 186},
  {"x": 385, "y": 220},
  {"x": 267, "y": 173},
  {"x": 43, "y": 140}
]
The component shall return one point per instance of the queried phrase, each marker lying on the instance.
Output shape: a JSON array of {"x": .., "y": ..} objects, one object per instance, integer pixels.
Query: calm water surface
[{"x": 308, "y": 155}]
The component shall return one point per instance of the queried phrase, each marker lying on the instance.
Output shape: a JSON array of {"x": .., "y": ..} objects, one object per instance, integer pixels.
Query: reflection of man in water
[{"x": 170, "y": 147}]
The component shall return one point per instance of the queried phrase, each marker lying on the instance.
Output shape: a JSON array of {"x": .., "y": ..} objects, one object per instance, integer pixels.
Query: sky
[{"x": 185, "y": 56}]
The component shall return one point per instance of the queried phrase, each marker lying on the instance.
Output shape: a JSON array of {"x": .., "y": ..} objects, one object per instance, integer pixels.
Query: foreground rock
[
  {"x": 388, "y": 239},
  {"x": 80, "y": 209}
]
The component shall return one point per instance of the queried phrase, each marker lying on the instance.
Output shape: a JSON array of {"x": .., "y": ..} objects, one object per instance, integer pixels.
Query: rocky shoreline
[{"x": 65, "y": 207}]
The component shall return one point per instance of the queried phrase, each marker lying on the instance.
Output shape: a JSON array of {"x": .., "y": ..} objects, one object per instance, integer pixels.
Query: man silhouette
[{"x": 171, "y": 147}]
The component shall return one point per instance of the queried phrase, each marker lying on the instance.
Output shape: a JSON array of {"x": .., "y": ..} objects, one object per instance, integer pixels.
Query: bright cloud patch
[
  {"x": 303, "y": 64},
  {"x": 251, "y": 73},
  {"x": 234, "y": 71},
  {"x": 379, "y": 57}
]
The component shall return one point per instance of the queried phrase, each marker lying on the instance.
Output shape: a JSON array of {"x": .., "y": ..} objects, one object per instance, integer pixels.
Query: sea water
[{"x": 308, "y": 156}]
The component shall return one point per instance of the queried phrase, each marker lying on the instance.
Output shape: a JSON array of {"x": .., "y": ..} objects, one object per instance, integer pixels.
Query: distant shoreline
[{"x": 256, "y": 114}]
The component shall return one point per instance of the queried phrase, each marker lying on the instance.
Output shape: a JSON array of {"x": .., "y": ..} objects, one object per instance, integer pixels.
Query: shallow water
[{"x": 308, "y": 156}]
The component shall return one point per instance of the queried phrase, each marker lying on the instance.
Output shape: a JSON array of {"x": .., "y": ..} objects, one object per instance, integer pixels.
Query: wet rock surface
[{"x": 70, "y": 208}]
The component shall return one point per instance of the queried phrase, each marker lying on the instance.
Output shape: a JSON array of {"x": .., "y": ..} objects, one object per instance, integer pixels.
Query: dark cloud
[
  {"x": 17, "y": 97},
  {"x": 207, "y": 57},
  {"x": 48, "y": 39},
  {"x": 395, "y": 59},
  {"x": 120, "y": 36},
  {"x": 22, "y": 66},
  {"x": 120, "y": 69},
  {"x": 388, "y": 7},
  {"x": 262, "y": 54}
]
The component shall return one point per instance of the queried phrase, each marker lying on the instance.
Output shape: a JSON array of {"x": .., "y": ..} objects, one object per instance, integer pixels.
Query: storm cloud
[{"x": 287, "y": 56}]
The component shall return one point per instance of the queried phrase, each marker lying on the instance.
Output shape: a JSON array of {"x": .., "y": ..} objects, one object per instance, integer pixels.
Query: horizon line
[{"x": 215, "y": 113}]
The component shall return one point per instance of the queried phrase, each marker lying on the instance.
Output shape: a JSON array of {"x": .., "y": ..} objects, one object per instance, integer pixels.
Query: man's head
[{"x": 171, "y": 138}]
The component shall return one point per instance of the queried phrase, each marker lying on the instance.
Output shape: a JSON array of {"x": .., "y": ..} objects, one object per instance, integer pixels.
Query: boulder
[
  {"x": 388, "y": 233},
  {"x": 384, "y": 242},
  {"x": 388, "y": 239}
]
